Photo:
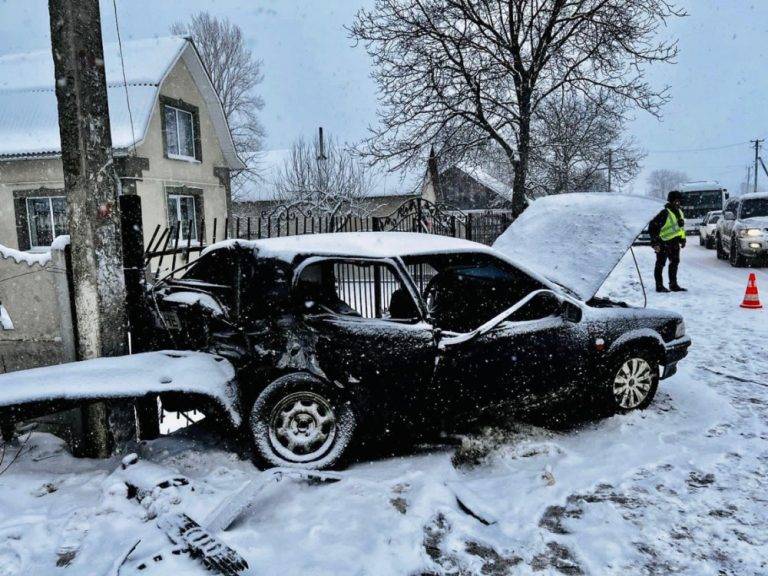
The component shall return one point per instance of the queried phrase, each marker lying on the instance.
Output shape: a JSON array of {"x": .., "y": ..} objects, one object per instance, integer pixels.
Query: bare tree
[
  {"x": 328, "y": 179},
  {"x": 662, "y": 181},
  {"x": 235, "y": 73},
  {"x": 571, "y": 141},
  {"x": 458, "y": 74}
]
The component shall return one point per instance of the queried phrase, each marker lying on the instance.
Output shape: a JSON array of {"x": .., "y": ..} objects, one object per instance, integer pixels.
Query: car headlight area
[
  {"x": 751, "y": 232},
  {"x": 680, "y": 329}
]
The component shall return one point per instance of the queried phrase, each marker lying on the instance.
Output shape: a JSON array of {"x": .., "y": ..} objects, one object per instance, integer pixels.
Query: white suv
[
  {"x": 707, "y": 228},
  {"x": 742, "y": 232}
]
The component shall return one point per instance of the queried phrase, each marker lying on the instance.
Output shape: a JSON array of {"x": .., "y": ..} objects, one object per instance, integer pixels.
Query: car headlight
[
  {"x": 751, "y": 232},
  {"x": 680, "y": 329}
]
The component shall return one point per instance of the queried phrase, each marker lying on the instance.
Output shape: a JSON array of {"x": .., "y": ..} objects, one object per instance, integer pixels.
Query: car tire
[
  {"x": 710, "y": 243},
  {"x": 632, "y": 382},
  {"x": 736, "y": 259},
  {"x": 298, "y": 421},
  {"x": 721, "y": 253},
  {"x": 701, "y": 240}
]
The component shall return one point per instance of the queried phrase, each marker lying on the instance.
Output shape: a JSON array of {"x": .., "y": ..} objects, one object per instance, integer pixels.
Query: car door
[
  {"x": 371, "y": 333},
  {"x": 535, "y": 357},
  {"x": 727, "y": 225}
]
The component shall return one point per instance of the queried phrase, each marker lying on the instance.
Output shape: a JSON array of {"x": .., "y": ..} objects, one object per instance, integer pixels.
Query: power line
[
  {"x": 707, "y": 149},
  {"x": 125, "y": 79}
]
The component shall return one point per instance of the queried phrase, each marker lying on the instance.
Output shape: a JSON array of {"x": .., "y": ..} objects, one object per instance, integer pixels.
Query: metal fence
[{"x": 169, "y": 248}]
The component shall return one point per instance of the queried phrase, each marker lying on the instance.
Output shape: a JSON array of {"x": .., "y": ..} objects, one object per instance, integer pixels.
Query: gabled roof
[
  {"x": 270, "y": 165},
  {"x": 28, "y": 107},
  {"x": 482, "y": 177}
]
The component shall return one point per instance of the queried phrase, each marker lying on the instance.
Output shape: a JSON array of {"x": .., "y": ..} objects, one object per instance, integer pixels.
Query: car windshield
[{"x": 754, "y": 207}]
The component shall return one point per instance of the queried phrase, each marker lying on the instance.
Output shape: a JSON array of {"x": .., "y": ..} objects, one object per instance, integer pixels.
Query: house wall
[
  {"x": 166, "y": 172},
  {"x": 24, "y": 175},
  {"x": 163, "y": 172},
  {"x": 37, "y": 300}
]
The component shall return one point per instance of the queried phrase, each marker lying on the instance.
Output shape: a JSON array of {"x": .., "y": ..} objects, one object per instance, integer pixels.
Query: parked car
[
  {"x": 334, "y": 335},
  {"x": 707, "y": 228},
  {"x": 742, "y": 233}
]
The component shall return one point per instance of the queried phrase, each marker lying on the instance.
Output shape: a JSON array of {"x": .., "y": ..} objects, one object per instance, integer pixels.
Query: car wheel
[
  {"x": 710, "y": 243},
  {"x": 721, "y": 254},
  {"x": 300, "y": 422},
  {"x": 633, "y": 381},
  {"x": 701, "y": 240},
  {"x": 736, "y": 259}
]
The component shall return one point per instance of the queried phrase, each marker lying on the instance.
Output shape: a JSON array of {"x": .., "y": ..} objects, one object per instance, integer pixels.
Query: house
[
  {"x": 172, "y": 144},
  {"x": 388, "y": 191},
  {"x": 465, "y": 186}
]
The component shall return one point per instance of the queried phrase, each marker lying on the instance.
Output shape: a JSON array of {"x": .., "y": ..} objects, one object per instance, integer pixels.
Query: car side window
[{"x": 355, "y": 288}]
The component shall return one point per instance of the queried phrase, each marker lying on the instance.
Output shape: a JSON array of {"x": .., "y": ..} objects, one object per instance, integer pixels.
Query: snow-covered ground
[{"x": 680, "y": 488}]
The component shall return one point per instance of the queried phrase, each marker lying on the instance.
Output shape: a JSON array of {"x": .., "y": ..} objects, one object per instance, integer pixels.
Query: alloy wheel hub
[{"x": 632, "y": 383}]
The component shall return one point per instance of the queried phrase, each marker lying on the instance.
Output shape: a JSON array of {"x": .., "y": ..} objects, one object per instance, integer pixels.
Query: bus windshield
[
  {"x": 754, "y": 207},
  {"x": 696, "y": 204}
]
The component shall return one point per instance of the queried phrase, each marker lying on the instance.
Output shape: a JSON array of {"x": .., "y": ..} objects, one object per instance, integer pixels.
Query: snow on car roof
[
  {"x": 751, "y": 196},
  {"x": 356, "y": 244}
]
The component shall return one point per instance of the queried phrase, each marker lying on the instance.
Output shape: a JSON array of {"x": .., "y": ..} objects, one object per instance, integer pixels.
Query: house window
[
  {"x": 181, "y": 208},
  {"x": 179, "y": 133},
  {"x": 47, "y": 218}
]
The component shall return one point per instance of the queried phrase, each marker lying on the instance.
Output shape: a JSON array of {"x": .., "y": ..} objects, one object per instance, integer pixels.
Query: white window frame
[
  {"x": 177, "y": 201},
  {"x": 176, "y": 112},
  {"x": 50, "y": 199}
]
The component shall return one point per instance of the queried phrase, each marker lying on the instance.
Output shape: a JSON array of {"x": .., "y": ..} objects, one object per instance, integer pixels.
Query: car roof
[
  {"x": 356, "y": 244},
  {"x": 752, "y": 196}
]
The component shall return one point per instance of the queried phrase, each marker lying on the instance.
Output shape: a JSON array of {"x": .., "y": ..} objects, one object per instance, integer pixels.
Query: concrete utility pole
[
  {"x": 92, "y": 190},
  {"x": 757, "y": 157}
]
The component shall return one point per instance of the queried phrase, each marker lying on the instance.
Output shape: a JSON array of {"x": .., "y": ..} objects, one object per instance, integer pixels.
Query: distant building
[
  {"x": 467, "y": 187},
  {"x": 177, "y": 153},
  {"x": 388, "y": 191}
]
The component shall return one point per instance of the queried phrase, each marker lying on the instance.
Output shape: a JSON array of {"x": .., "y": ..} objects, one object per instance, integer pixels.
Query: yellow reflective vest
[{"x": 672, "y": 228}]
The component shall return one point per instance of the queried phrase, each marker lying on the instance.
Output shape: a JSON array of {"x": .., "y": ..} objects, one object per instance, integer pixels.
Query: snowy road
[{"x": 677, "y": 489}]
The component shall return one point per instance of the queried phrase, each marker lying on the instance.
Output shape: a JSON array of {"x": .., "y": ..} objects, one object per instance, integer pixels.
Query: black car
[{"x": 336, "y": 334}]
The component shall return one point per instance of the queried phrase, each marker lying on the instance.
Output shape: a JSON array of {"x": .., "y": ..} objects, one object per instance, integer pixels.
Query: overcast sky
[{"x": 314, "y": 76}]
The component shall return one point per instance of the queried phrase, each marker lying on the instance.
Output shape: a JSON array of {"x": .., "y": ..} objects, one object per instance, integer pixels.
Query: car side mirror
[{"x": 729, "y": 216}]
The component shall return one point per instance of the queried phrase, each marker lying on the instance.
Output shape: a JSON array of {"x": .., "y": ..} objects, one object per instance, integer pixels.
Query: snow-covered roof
[
  {"x": 356, "y": 244},
  {"x": 482, "y": 177},
  {"x": 699, "y": 186},
  {"x": 752, "y": 195},
  {"x": 28, "y": 107},
  {"x": 270, "y": 165}
]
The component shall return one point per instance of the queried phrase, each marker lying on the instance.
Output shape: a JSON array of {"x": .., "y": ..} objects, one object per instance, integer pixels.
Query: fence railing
[{"x": 170, "y": 248}]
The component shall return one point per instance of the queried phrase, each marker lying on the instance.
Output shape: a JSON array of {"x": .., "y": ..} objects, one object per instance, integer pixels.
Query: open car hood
[{"x": 576, "y": 240}]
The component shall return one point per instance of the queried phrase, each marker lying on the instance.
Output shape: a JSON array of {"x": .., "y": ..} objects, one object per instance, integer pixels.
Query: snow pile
[
  {"x": 126, "y": 377},
  {"x": 31, "y": 258},
  {"x": 195, "y": 298}
]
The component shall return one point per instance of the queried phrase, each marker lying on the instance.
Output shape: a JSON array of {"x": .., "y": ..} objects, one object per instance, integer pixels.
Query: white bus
[{"x": 698, "y": 199}]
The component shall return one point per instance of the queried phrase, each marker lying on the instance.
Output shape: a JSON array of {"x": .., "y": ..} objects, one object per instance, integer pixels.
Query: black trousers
[{"x": 669, "y": 251}]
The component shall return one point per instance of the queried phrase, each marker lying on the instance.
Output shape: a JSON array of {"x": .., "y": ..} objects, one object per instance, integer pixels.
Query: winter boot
[
  {"x": 676, "y": 288},
  {"x": 662, "y": 288}
]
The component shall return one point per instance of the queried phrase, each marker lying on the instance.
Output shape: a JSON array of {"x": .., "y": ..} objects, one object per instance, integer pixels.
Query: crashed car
[{"x": 334, "y": 335}]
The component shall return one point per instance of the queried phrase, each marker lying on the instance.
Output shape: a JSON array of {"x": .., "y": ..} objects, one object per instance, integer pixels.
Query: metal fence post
[{"x": 469, "y": 226}]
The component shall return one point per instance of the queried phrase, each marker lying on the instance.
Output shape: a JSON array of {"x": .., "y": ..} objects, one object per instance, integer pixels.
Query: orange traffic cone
[{"x": 751, "y": 297}]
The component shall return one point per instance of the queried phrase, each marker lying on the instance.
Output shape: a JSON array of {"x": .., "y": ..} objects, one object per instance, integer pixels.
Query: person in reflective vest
[{"x": 667, "y": 234}]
